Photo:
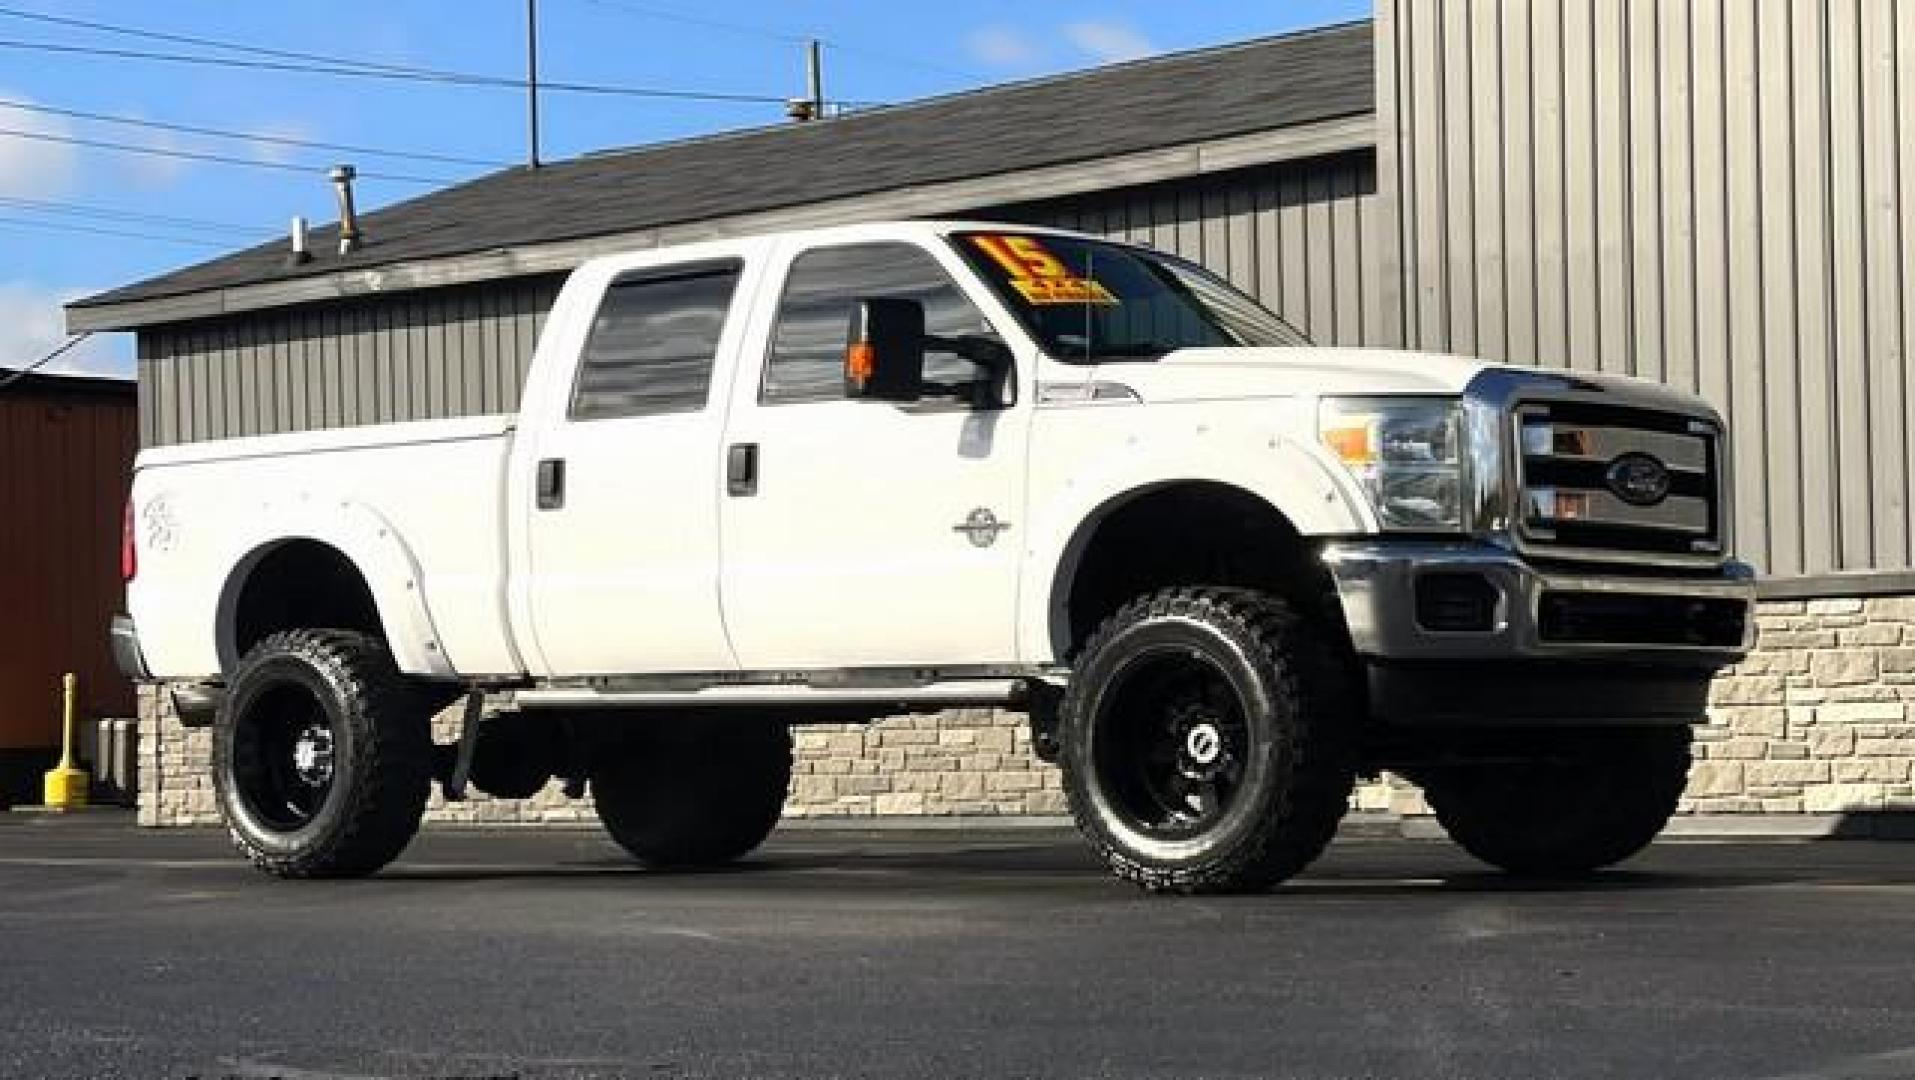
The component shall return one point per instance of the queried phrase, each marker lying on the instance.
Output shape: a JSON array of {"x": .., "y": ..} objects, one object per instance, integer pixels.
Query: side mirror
[{"x": 884, "y": 354}]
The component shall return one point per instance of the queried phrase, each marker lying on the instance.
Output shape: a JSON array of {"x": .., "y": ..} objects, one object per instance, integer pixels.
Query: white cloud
[
  {"x": 277, "y": 153},
  {"x": 153, "y": 171},
  {"x": 1103, "y": 41},
  {"x": 1002, "y": 46},
  {"x": 1109, "y": 42},
  {"x": 34, "y": 168},
  {"x": 32, "y": 325}
]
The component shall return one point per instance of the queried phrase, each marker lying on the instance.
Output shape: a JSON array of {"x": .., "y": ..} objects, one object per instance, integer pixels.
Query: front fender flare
[{"x": 1294, "y": 481}]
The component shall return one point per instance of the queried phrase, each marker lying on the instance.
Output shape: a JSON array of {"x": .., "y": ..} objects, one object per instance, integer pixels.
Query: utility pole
[
  {"x": 532, "y": 82},
  {"x": 815, "y": 78}
]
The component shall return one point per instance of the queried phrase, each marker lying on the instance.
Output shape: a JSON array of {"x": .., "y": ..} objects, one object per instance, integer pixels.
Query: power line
[
  {"x": 45, "y": 360},
  {"x": 452, "y": 79},
  {"x": 210, "y": 43},
  {"x": 138, "y": 217},
  {"x": 67, "y": 226},
  {"x": 216, "y": 159},
  {"x": 447, "y": 78},
  {"x": 269, "y": 140}
]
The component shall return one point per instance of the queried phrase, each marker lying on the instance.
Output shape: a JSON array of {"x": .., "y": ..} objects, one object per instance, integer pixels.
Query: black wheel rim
[
  {"x": 284, "y": 757},
  {"x": 1171, "y": 745}
]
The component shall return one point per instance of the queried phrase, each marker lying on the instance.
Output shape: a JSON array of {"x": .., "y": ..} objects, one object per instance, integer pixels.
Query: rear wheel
[
  {"x": 1207, "y": 741},
  {"x": 322, "y": 755},
  {"x": 693, "y": 793},
  {"x": 1594, "y": 798}
]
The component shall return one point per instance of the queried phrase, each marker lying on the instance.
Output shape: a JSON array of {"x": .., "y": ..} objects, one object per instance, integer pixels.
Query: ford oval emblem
[{"x": 1638, "y": 479}]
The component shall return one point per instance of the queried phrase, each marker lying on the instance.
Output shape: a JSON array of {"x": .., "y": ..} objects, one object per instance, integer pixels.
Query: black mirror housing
[{"x": 884, "y": 351}]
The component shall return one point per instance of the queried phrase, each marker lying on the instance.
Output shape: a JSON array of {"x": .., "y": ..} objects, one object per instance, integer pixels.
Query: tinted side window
[
  {"x": 653, "y": 342},
  {"x": 807, "y": 348}
]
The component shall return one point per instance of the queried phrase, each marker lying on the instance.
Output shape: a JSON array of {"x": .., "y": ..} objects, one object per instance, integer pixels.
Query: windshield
[{"x": 1087, "y": 301}]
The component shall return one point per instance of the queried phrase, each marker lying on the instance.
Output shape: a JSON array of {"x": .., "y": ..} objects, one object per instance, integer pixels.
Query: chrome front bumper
[{"x": 1377, "y": 581}]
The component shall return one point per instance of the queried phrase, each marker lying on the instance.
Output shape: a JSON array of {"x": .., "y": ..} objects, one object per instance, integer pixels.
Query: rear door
[
  {"x": 873, "y": 534},
  {"x": 622, "y": 533}
]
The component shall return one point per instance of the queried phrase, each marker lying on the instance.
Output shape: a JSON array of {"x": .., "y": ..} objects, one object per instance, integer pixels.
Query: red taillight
[{"x": 129, "y": 558}]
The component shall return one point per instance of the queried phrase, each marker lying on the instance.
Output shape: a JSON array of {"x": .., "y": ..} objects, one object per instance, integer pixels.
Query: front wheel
[
  {"x": 1590, "y": 800},
  {"x": 322, "y": 755},
  {"x": 1208, "y": 741},
  {"x": 691, "y": 793}
]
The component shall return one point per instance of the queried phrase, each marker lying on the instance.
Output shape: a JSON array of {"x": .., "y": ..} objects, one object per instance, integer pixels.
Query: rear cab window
[{"x": 654, "y": 341}]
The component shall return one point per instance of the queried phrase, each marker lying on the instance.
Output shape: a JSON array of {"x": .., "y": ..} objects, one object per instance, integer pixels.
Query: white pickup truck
[{"x": 841, "y": 475}]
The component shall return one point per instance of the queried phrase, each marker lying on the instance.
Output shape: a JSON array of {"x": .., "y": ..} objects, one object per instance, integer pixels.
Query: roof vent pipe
[
  {"x": 812, "y": 105},
  {"x": 348, "y": 220},
  {"x": 301, "y": 253}
]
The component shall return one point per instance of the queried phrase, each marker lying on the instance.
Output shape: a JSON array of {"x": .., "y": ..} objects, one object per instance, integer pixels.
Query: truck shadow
[{"x": 1371, "y": 868}]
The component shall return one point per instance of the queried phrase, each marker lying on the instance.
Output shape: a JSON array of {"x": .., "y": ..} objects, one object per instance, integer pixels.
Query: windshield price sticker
[{"x": 1039, "y": 276}]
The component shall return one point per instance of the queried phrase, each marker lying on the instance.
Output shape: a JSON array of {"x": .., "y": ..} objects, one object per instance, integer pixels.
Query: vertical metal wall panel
[
  {"x": 1747, "y": 358},
  {"x": 1882, "y": 261},
  {"x": 375, "y": 359},
  {"x": 67, "y": 445},
  {"x": 1547, "y": 169},
  {"x": 1643, "y": 259},
  {"x": 1778, "y": 395},
  {"x": 1905, "y": 226},
  {"x": 1675, "y": 113},
  {"x": 1715, "y": 193},
  {"x": 1486, "y": 189},
  {"x": 1299, "y": 236}
]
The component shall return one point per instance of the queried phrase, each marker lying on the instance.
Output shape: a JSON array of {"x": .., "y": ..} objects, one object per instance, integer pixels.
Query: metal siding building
[
  {"x": 458, "y": 351},
  {"x": 66, "y": 447},
  {"x": 1716, "y": 194},
  {"x": 1710, "y": 193}
]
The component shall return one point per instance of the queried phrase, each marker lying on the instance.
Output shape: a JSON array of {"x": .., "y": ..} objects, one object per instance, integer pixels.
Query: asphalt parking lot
[{"x": 899, "y": 954}]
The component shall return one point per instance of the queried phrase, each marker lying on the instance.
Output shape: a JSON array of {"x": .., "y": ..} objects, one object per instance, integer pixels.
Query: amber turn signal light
[{"x": 860, "y": 362}]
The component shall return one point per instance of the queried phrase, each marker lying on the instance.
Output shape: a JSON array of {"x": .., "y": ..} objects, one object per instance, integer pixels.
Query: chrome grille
[{"x": 1612, "y": 481}]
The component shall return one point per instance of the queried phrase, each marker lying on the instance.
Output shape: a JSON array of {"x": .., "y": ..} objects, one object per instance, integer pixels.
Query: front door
[{"x": 874, "y": 534}]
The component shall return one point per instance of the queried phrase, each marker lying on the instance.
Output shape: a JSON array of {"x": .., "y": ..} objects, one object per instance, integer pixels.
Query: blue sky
[{"x": 875, "y": 52}]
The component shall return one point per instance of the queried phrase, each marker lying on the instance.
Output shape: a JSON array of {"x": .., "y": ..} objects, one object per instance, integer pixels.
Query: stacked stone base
[{"x": 1820, "y": 719}]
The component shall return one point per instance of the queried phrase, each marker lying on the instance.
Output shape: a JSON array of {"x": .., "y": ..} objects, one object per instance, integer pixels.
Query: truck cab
[{"x": 838, "y": 475}]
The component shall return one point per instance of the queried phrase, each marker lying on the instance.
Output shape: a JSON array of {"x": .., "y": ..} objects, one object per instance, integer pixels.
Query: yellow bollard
[{"x": 66, "y": 783}]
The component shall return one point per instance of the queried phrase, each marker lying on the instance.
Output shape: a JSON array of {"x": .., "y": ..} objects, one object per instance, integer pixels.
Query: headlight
[{"x": 1405, "y": 452}]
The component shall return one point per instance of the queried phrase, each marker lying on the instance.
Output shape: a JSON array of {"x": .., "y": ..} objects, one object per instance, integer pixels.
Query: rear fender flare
[{"x": 373, "y": 546}]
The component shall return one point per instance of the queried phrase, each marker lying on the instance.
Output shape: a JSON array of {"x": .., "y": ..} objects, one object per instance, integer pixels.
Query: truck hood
[
  {"x": 1223, "y": 374},
  {"x": 1212, "y": 374}
]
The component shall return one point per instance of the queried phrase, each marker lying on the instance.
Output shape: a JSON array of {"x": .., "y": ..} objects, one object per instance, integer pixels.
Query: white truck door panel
[
  {"x": 622, "y": 507},
  {"x": 868, "y": 540},
  {"x": 851, "y": 554}
]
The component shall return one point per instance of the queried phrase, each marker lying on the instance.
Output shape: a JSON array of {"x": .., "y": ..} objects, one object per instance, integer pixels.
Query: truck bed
[{"x": 438, "y": 484}]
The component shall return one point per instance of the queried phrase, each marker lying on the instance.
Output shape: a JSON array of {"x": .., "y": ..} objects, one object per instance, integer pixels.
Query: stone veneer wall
[{"x": 1820, "y": 719}]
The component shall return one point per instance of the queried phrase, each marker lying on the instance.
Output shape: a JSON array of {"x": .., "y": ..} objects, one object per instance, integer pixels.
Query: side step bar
[{"x": 962, "y": 693}]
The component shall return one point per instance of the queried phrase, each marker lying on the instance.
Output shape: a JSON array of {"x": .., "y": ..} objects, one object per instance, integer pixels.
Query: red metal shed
[{"x": 66, "y": 454}]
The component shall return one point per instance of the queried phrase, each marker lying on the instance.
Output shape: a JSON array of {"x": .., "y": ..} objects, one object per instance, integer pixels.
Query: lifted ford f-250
[{"x": 840, "y": 475}]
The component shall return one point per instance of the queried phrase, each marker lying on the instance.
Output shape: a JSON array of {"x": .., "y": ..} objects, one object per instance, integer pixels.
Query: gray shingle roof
[{"x": 1144, "y": 105}]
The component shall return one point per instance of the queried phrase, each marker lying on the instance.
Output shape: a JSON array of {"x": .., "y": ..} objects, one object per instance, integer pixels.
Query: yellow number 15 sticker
[{"x": 1039, "y": 276}]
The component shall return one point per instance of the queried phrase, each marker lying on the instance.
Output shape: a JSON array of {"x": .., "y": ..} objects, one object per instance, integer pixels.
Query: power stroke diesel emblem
[
  {"x": 1638, "y": 479},
  {"x": 981, "y": 526}
]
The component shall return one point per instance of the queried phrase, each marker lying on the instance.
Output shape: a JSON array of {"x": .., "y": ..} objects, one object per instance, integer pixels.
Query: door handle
[
  {"x": 741, "y": 469},
  {"x": 551, "y": 484}
]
